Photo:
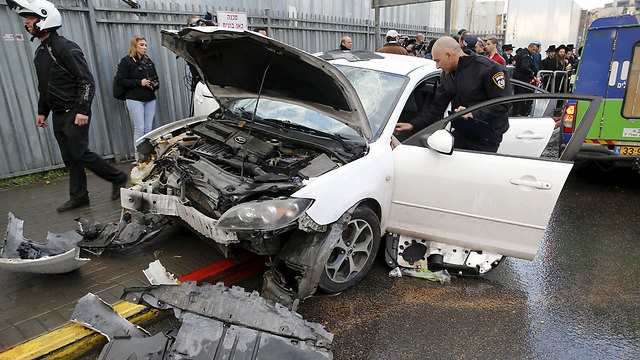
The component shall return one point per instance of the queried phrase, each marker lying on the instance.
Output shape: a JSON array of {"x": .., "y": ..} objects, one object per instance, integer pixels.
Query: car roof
[{"x": 391, "y": 63}]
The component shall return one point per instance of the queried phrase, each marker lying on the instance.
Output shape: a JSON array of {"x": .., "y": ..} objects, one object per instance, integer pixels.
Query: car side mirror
[{"x": 440, "y": 141}]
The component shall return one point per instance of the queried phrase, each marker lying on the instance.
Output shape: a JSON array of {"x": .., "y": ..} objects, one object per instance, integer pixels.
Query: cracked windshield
[{"x": 377, "y": 104}]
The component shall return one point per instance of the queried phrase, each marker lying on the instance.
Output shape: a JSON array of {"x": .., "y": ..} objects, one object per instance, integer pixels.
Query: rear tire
[{"x": 353, "y": 255}]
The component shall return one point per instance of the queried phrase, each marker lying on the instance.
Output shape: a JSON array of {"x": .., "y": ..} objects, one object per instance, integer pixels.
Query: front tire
[{"x": 352, "y": 257}]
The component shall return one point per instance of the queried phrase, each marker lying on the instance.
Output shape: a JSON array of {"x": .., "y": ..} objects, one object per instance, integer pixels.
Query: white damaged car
[{"x": 300, "y": 163}]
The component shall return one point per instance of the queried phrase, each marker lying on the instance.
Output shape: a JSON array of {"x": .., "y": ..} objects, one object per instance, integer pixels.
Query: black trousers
[
  {"x": 73, "y": 141},
  {"x": 521, "y": 108}
]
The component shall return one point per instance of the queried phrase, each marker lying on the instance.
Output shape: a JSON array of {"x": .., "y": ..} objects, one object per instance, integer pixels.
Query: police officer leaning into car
[
  {"x": 468, "y": 79},
  {"x": 66, "y": 88}
]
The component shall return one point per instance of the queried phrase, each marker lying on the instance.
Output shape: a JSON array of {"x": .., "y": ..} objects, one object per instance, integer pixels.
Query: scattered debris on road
[
  {"x": 216, "y": 322},
  {"x": 441, "y": 275},
  {"x": 97, "y": 315},
  {"x": 60, "y": 254},
  {"x": 158, "y": 275},
  {"x": 127, "y": 232}
]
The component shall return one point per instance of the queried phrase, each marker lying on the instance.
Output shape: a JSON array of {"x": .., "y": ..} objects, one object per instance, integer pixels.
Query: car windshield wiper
[
  {"x": 291, "y": 125},
  {"x": 243, "y": 113}
]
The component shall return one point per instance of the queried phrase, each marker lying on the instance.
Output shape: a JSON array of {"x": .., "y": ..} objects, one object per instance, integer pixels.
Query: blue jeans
[{"x": 141, "y": 114}]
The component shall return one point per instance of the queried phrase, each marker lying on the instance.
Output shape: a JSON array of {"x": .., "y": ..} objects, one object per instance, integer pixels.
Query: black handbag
[{"x": 119, "y": 92}]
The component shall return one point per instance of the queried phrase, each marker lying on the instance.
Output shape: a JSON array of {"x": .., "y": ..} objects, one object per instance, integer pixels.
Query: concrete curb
[{"x": 72, "y": 341}]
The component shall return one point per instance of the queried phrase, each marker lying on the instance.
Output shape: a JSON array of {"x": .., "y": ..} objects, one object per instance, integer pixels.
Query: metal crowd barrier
[{"x": 550, "y": 86}]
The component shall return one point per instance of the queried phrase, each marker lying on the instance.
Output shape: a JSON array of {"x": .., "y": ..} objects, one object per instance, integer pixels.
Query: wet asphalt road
[{"x": 578, "y": 299}]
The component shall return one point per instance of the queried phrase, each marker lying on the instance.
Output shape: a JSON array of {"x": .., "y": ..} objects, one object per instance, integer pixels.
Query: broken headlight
[{"x": 263, "y": 215}]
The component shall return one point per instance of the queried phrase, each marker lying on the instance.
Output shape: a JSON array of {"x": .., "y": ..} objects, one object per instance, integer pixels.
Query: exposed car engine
[{"x": 220, "y": 163}]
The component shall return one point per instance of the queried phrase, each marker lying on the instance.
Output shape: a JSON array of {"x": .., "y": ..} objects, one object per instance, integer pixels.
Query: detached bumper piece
[
  {"x": 60, "y": 254},
  {"x": 129, "y": 231},
  {"x": 217, "y": 322}
]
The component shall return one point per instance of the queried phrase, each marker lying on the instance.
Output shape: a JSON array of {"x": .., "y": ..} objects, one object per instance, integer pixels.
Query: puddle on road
[{"x": 582, "y": 299}]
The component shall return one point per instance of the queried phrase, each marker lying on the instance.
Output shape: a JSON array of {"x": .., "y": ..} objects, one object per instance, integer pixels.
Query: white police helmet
[{"x": 48, "y": 16}]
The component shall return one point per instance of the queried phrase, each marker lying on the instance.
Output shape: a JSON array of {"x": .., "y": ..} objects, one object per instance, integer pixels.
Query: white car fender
[{"x": 370, "y": 177}]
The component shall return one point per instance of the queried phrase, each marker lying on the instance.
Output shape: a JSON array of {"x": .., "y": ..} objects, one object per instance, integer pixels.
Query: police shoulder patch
[{"x": 498, "y": 79}]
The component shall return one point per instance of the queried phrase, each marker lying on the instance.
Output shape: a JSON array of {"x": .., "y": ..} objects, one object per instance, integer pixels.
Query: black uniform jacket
[
  {"x": 476, "y": 79},
  {"x": 524, "y": 66},
  {"x": 64, "y": 79},
  {"x": 131, "y": 71}
]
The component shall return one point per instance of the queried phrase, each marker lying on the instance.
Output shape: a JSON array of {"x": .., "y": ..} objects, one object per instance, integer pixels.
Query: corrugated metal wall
[{"x": 103, "y": 29}]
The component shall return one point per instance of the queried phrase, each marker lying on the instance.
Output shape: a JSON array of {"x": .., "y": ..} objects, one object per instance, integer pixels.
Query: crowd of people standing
[{"x": 552, "y": 73}]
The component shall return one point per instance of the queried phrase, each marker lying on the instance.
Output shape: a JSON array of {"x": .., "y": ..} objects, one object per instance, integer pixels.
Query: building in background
[
  {"x": 480, "y": 17},
  {"x": 548, "y": 21}
]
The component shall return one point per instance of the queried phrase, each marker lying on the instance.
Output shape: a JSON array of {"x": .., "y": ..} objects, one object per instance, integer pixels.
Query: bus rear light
[{"x": 568, "y": 118}]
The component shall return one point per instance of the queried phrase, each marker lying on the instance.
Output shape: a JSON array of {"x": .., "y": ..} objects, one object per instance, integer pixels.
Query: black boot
[
  {"x": 73, "y": 204},
  {"x": 120, "y": 183}
]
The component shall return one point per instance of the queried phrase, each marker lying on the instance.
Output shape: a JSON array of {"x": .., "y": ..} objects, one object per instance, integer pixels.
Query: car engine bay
[{"x": 222, "y": 162}]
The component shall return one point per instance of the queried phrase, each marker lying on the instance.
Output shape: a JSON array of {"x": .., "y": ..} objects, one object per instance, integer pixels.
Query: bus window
[{"x": 631, "y": 102}]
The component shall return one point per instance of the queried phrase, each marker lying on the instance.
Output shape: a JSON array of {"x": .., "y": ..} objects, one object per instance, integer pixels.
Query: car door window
[{"x": 420, "y": 97}]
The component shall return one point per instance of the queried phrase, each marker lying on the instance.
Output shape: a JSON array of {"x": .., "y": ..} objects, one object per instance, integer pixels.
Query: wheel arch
[{"x": 374, "y": 205}]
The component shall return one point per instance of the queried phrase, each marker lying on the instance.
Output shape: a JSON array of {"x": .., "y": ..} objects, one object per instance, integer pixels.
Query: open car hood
[{"x": 233, "y": 64}]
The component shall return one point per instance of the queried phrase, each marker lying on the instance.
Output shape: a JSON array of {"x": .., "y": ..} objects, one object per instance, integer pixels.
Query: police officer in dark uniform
[
  {"x": 66, "y": 88},
  {"x": 468, "y": 79}
]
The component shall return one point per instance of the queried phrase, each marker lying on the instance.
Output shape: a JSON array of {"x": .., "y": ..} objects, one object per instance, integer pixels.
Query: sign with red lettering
[{"x": 232, "y": 20}]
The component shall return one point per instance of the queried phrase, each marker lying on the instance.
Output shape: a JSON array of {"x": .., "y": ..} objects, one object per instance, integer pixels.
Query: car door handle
[
  {"x": 543, "y": 185},
  {"x": 530, "y": 136}
]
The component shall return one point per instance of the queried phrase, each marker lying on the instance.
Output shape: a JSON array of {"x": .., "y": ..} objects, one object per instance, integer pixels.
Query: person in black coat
[
  {"x": 509, "y": 59},
  {"x": 468, "y": 79},
  {"x": 137, "y": 73},
  {"x": 524, "y": 72},
  {"x": 66, "y": 89}
]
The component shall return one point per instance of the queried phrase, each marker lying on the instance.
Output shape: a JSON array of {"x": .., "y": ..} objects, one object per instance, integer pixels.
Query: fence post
[
  {"x": 367, "y": 35},
  {"x": 377, "y": 31},
  {"x": 100, "y": 76},
  {"x": 268, "y": 11}
]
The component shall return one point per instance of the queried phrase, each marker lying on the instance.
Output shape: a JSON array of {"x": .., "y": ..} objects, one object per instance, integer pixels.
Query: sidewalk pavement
[{"x": 33, "y": 304}]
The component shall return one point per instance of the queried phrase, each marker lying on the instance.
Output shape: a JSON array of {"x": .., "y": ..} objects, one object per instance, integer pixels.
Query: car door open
[{"x": 475, "y": 200}]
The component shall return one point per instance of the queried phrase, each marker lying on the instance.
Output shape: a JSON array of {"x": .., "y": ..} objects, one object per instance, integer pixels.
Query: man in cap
[
  {"x": 551, "y": 51},
  {"x": 469, "y": 42},
  {"x": 467, "y": 79},
  {"x": 573, "y": 60},
  {"x": 507, "y": 51},
  {"x": 548, "y": 63},
  {"x": 537, "y": 58},
  {"x": 66, "y": 89},
  {"x": 461, "y": 34},
  {"x": 392, "y": 46}
]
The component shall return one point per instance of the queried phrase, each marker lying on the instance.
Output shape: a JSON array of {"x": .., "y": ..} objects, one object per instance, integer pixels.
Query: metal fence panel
[{"x": 103, "y": 29}]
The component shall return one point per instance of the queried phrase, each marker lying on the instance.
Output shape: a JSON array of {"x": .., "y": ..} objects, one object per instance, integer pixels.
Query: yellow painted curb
[{"x": 71, "y": 341}]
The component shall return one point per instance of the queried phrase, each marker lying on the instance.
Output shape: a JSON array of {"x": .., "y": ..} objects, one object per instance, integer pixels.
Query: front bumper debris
[
  {"x": 172, "y": 206},
  {"x": 60, "y": 254},
  {"x": 216, "y": 322},
  {"x": 94, "y": 313},
  {"x": 129, "y": 231}
]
